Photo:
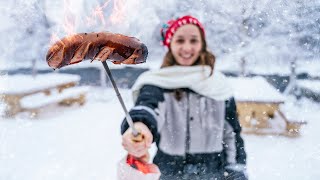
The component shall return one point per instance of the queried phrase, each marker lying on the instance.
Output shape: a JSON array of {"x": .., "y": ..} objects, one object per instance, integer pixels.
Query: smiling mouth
[{"x": 186, "y": 56}]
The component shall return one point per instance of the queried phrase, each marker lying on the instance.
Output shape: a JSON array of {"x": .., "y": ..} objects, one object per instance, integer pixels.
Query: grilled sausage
[{"x": 100, "y": 46}]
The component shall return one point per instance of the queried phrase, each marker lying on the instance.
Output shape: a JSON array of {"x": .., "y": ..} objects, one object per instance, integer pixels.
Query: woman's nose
[{"x": 187, "y": 47}]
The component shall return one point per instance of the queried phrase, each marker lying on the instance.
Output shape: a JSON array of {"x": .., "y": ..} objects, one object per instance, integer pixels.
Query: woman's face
[{"x": 186, "y": 45}]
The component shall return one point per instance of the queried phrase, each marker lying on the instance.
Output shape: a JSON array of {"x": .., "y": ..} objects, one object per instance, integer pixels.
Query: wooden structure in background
[
  {"x": 258, "y": 107},
  {"x": 26, "y": 93},
  {"x": 256, "y": 114}
]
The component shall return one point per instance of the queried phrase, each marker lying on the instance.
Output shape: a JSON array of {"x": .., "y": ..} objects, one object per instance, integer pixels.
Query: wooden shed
[{"x": 258, "y": 106}]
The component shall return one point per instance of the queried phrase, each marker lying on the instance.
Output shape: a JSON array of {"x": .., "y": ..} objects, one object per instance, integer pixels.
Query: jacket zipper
[{"x": 188, "y": 125}]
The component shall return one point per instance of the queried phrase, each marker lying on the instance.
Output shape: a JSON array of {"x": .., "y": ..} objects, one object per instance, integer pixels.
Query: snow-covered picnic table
[
  {"x": 259, "y": 110},
  {"x": 22, "y": 92},
  {"x": 255, "y": 89},
  {"x": 26, "y": 84}
]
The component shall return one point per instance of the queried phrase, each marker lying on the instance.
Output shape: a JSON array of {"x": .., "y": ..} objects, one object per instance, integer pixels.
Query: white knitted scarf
[{"x": 196, "y": 78}]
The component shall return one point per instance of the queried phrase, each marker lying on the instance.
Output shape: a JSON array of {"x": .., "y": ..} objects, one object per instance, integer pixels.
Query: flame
[
  {"x": 69, "y": 23},
  {"x": 55, "y": 38},
  {"x": 69, "y": 19},
  {"x": 118, "y": 12},
  {"x": 97, "y": 12},
  {"x": 116, "y": 16}
]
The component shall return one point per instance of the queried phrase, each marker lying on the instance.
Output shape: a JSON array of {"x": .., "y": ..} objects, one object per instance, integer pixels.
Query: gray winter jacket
[{"x": 194, "y": 125}]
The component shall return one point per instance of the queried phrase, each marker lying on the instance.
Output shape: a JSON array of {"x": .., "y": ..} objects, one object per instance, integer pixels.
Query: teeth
[{"x": 186, "y": 57}]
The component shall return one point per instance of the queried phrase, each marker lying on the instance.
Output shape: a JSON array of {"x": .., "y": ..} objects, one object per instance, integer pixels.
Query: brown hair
[{"x": 205, "y": 58}]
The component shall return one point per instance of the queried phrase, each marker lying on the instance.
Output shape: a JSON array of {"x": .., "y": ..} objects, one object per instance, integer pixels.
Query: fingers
[
  {"x": 146, "y": 133},
  {"x": 134, "y": 147},
  {"x": 148, "y": 138}
]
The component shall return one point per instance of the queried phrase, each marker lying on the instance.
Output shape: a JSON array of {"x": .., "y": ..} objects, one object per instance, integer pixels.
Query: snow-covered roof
[
  {"x": 255, "y": 89},
  {"x": 20, "y": 84},
  {"x": 313, "y": 85}
]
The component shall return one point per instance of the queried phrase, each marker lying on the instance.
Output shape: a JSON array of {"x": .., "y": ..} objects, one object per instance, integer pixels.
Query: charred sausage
[{"x": 100, "y": 46}]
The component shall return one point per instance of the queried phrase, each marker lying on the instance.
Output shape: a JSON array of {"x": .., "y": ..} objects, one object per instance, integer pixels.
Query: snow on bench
[
  {"x": 254, "y": 89},
  {"x": 26, "y": 84},
  {"x": 13, "y": 88},
  {"x": 39, "y": 100}
]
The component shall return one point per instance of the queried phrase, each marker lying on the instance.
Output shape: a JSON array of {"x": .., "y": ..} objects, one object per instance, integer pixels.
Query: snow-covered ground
[{"x": 84, "y": 143}]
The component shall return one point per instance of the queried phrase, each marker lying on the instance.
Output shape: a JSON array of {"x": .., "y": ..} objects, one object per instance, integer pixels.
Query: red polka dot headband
[{"x": 168, "y": 29}]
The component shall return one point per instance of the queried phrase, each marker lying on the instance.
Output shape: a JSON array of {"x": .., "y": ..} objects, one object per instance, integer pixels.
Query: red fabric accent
[{"x": 143, "y": 167}]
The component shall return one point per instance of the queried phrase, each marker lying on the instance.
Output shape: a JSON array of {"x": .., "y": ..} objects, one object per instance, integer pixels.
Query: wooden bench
[
  {"x": 67, "y": 97},
  {"x": 292, "y": 125},
  {"x": 258, "y": 108},
  {"x": 45, "y": 88}
]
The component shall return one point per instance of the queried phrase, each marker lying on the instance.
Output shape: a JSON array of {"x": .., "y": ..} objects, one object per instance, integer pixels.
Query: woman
[{"x": 187, "y": 108}]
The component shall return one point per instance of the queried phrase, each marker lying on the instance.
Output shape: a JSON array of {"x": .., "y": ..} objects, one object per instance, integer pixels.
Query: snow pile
[
  {"x": 20, "y": 84},
  {"x": 255, "y": 89},
  {"x": 299, "y": 111}
]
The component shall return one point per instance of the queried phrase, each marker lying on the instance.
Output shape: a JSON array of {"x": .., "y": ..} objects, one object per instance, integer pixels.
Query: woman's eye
[
  {"x": 194, "y": 41},
  {"x": 180, "y": 41}
]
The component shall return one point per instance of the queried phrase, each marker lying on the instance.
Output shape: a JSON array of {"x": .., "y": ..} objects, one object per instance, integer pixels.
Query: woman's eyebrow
[
  {"x": 193, "y": 36},
  {"x": 180, "y": 36}
]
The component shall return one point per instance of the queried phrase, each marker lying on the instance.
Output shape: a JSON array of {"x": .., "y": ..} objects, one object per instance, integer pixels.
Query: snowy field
[{"x": 84, "y": 143}]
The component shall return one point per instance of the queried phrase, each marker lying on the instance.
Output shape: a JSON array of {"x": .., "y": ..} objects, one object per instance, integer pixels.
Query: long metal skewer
[{"x": 128, "y": 117}]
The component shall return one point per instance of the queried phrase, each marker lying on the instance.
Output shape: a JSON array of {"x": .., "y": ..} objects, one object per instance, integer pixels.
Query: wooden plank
[
  {"x": 13, "y": 104},
  {"x": 256, "y": 115},
  {"x": 74, "y": 94},
  {"x": 292, "y": 127}
]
